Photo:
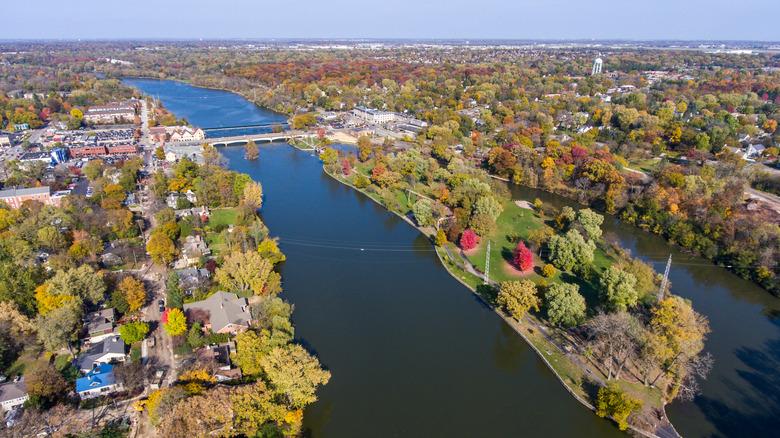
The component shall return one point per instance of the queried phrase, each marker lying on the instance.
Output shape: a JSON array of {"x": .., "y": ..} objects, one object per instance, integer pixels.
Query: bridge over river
[{"x": 257, "y": 138}]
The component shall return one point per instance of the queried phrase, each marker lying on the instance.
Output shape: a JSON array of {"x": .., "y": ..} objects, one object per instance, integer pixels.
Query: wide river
[{"x": 413, "y": 353}]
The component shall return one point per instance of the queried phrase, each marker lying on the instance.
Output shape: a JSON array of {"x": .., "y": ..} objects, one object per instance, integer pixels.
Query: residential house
[
  {"x": 13, "y": 395},
  {"x": 99, "y": 325},
  {"x": 194, "y": 247},
  {"x": 754, "y": 150},
  {"x": 110, "y": 349},
  {"x": 202, "y": 211},
  {"x": 190, "y": 279},
  {"x": 98, "y": 381},
  {"x": 227, "y": 313},
  {"x": 220, "y": 355}
]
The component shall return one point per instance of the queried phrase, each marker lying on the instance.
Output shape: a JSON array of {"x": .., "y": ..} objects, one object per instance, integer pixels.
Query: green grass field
[{"x": 224, "y": 216}]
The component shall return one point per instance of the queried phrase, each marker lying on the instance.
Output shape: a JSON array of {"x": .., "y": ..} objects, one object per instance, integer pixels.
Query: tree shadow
[
  {"x": 591, "y": 389},
  {"x": 587, "y": 290}
]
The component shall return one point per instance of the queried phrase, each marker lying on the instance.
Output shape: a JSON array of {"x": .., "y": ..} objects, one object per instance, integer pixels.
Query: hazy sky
[{"x": 475, "y": 19}]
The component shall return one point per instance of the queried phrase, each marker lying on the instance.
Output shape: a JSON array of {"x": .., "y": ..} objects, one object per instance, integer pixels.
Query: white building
[
  {"x": 13, "y": 395},
  {"x": 373, "y": 116}
]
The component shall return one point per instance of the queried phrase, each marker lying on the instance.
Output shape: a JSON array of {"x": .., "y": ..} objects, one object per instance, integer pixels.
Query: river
[{"x": 413, "y": 353}]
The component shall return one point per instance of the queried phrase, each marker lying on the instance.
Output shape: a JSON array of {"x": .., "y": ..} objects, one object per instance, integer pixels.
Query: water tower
[{"x": 597, "y": 66}]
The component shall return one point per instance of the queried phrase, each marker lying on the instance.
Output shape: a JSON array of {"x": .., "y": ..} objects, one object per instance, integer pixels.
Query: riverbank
[{"x": 578, "y": 379}]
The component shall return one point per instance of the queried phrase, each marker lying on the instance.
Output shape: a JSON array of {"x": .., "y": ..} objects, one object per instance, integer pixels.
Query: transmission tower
[
  {"x": 487, "y": 264},
  {"x": 662, "y": 290}
]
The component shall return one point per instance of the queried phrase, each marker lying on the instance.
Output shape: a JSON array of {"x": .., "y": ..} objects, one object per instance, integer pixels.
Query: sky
[{"x": 333, "y": 19}]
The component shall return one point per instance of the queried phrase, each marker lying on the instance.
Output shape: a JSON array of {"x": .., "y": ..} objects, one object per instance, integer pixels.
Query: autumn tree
[
  {"x": 565, "y": 306},
  {"x": 680, "y": 332},
  {"x": 175, "y": 323},
  {"x": 364, "y": 148},
  {"x": 253, "y": 194},
  {"x": 161, "y": 248},
  {"x": 134, "y": 292},
  {"x": 162, "y": 401},
  {"x": 294, "y": 374},
  {"x": 46, "y": 386},
  {"x": 523, "y": 257},
  {"x": 251, "y": 151},
  {"x": 254, "y": 405},
  {"x": 346, "y": 168},
  {"x": 441, "y": 238},
  {"x": 208, "y": 414},
  {"x": 83, "y": 282},
  {"x": 614, "y": 403},
  {"x": 133, "y": 332},
  {"x": 468, "y": 240},
  {"x": 518, "y": 297},
  {"x": 244, "y": 271}
]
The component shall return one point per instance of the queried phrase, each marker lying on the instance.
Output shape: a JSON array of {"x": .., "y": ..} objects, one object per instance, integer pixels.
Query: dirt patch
[
  {"x": 524, "y": 204},
  {"x": 510, "y": 269},
  {"x": 472, "y": 251}
]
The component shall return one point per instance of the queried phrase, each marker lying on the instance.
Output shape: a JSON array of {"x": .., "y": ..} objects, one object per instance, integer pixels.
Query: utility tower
[
  {"x": 487, "y": 264},
  {"x": 662, "y": 290},
  {"x": 597, "y": 64}
]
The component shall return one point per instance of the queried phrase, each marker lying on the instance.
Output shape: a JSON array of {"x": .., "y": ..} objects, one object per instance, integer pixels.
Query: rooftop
[
  {"x": 100, "y": 376},
  {"x": 224, "y": 308},
  {"x": 10, "y": 193},
  {"x": 13, "y": 390}
]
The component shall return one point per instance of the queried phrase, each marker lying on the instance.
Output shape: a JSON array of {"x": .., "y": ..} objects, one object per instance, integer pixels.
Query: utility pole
[
  {"x": 487, "y": 264},
  {"x": 662, "y": 290}
]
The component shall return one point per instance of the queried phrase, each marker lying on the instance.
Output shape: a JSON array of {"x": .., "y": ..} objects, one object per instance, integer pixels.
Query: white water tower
[{"x": 597, "y": 66}]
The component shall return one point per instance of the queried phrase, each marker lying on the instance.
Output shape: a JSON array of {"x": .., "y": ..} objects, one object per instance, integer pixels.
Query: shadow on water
[{"x": 509, "y": 350}]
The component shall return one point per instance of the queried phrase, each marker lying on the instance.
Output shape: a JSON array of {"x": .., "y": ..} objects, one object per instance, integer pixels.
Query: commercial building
[{"x": 372, "y": 115}]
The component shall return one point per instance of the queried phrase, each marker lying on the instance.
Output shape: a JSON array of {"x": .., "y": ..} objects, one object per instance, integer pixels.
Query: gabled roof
[
  {"x": 99, "y": 377},
  {"x": 13, "y": 390},
  {"x": 100, "y": 321},
  {"x": 112, "y": 345},
  {"x": 224, "y": 308}
]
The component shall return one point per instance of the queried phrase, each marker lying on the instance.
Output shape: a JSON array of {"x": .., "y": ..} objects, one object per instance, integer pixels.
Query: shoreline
[
  {"x": 506, "y": 319},
  {"x": 120, "y": 78}
]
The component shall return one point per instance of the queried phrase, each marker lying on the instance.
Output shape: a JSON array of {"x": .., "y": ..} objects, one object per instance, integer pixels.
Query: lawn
[
  {"x": 512, "y": 220},
  {"x": 224, "y": 216},
  {"x": 135, "y": 352},
  {"x": 646, "y": 166},
  {"x": 29, "y": 361}
]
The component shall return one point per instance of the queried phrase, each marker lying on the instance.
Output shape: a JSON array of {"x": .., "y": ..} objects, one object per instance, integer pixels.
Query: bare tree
[{"x": 615, "y": 340}]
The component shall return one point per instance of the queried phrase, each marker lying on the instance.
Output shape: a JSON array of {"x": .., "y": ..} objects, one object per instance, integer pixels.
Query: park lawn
[
  {"x": 224, "y": 216},
  {"x": 467, "y": 277},
  {"x": 512, "y": 219},
  {"x": 646, "y": 166}
]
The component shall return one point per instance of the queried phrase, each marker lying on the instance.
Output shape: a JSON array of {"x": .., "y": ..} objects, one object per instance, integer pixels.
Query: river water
[{"x": 413, "y": 353}]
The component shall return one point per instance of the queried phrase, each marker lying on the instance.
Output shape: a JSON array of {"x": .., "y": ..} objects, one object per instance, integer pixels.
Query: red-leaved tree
[
  {"x": 346, "y": 168},
  {"x": 468, "y": 240},
  {"x": 524, "y": 258}
]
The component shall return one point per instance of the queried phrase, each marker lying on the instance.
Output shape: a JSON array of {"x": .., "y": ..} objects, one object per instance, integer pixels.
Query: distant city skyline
[{"x": 715, "y": 20}]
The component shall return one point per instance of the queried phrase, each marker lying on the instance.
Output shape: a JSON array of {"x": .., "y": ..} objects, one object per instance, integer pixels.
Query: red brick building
[
  {"x": 87, "y": 151},
  {"x": 125, "y": 149},
  {"x": 14, "y": 197}
]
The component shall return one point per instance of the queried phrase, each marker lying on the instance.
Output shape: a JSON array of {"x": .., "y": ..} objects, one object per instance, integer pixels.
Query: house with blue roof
[{"x": 99, "y": 381}]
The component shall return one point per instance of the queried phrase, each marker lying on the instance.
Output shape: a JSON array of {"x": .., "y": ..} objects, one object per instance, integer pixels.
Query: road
[{"x": 772, "y": 201}]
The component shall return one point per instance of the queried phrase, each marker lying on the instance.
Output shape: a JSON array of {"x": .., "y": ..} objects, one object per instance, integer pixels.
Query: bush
[{"x": 549, "y": 270}]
